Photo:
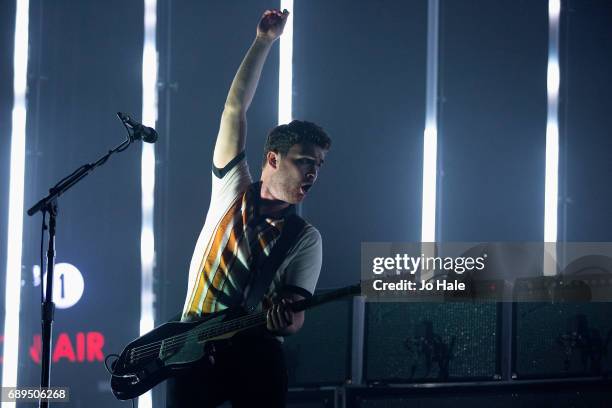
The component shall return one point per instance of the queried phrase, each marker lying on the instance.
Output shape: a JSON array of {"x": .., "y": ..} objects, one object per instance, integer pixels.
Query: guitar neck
[
  {"x": 259, "y": 318},
  {"x": 324, "y": 298},
  {"x": 235, "y": 325}
]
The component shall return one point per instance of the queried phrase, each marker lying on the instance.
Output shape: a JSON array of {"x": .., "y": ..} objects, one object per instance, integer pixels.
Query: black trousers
[{"x": 248, "y": 370}]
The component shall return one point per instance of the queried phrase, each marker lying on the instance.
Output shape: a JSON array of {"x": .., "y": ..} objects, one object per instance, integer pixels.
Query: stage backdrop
[
  {"x": 360, "y": 72},
  {"x": 85, "y": 65}
]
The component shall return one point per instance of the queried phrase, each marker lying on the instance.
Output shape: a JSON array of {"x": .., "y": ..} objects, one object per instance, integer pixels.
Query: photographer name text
[{"x": 407, "y": 285}]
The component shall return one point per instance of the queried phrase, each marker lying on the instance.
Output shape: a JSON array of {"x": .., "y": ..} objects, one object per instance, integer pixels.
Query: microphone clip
[{"x": 136, "y": 130}]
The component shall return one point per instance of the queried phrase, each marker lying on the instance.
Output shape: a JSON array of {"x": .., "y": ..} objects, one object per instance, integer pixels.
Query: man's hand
[
  {"x": 279, "y": 316},
  {"x": 280, "y": 319},
  {"x": 272, "y": 23}
]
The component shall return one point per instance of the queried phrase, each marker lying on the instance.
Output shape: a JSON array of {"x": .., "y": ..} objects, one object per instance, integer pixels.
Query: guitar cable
[{"x": 111, "y": 369}]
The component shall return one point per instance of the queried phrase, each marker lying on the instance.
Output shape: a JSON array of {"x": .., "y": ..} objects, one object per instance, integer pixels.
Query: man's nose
[{"x": 311, "y": 175}]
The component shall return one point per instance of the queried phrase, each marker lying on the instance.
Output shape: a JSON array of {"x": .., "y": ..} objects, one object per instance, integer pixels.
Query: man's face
[{"x": 296, "y": 172}]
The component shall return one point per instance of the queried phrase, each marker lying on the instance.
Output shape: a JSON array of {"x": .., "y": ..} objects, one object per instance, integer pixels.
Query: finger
[
  {"x": 286, "y": 312},
  {"x": 288, "y": 317},
  {"x": 270, "y": 321},
  {"x": 267, "y": 302},
  {"x": 284, "y": 316},
  {"x": 276, "y": 318}
]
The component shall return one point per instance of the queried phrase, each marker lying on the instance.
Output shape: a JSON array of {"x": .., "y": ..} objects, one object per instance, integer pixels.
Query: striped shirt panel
[
  {"x": 238, "y": 247},
  {"x": 299, "y": 271}
]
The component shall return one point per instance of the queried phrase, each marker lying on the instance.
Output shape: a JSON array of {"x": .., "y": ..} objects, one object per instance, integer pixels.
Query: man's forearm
[
  {"x": 232, "y": 129},
  {"x": 245, "y": 82}
]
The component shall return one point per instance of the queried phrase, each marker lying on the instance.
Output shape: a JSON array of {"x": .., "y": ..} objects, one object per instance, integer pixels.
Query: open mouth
[{"x": 305, "y": 188}]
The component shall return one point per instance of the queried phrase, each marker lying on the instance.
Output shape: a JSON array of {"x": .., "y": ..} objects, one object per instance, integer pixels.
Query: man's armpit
[{"x": 220, "y": 173}]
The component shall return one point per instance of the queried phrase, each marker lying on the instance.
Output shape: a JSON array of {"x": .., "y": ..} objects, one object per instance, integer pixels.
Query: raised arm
[{"x": 232, "y": 130}]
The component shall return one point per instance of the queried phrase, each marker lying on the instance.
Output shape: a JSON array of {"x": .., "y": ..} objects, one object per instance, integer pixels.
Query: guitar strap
[{"x": 294, "y": 224}]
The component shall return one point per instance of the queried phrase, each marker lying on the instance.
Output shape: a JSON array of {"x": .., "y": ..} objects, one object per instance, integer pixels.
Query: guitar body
[{"x": 163, "y": 352}]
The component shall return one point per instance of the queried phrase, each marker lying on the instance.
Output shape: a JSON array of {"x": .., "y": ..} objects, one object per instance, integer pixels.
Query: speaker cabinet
[
  {"x": 416, "y": 342},
  {"x": 562, "y": 340},
  {"x": 319, "y": 354},
  {"x": 556, "y": 394}
]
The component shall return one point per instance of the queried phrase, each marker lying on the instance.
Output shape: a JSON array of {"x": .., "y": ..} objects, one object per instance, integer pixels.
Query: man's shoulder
[
  {"x": 309, "y": 236},
  {"x": 233, "y": 182}
]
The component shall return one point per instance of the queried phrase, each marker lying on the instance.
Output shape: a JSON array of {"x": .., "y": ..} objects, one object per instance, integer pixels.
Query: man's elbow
[{"x": 234, "y": 108}]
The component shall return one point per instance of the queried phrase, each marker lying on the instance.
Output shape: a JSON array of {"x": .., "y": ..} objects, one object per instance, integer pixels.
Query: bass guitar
[{"x": 175, "y": 346}]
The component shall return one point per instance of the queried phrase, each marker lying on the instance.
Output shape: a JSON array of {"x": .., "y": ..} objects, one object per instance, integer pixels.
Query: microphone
[{"x": 137, "y": 130}]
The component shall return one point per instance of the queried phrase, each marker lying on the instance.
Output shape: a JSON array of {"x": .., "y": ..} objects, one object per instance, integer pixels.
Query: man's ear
[{"x": 272, "y": 159}]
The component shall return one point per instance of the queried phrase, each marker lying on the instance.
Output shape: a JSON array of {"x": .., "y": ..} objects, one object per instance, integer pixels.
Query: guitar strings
[
  {"x": 306, "y": 302},
  {"x": 139, "y": 353},
  {"x": 222, "y": 326},
  {"x": 173, "y": 342},
  {"x": 137, "y": 357}
]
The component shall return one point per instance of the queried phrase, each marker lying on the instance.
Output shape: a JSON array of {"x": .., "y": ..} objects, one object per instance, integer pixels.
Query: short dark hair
[{"x": 281, "y": 138}]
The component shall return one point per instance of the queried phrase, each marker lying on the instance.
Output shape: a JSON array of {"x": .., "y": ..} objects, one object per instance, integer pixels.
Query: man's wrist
[
  {"x": 287, "y": 331},
  {"x": 264, "y": 40}
]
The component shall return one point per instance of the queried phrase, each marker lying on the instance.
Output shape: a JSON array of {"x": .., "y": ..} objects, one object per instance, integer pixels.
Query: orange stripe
[
  {"x": 220, "y": 275},
  {"x": 214, "y": 249},
  {"x": 239, "y": 215}
]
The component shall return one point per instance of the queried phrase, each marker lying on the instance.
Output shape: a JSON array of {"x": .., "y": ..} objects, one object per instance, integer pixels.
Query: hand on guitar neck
[{"x": 281, "y": 320}]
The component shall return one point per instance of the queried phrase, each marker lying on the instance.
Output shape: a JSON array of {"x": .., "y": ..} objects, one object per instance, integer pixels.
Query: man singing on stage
[{"x": 253, "y": 249}]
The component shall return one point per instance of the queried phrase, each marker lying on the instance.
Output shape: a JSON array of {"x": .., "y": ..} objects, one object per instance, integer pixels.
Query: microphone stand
[{"x": 48, "y": 205}]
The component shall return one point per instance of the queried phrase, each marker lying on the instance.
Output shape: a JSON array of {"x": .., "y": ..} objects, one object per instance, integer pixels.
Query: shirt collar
[{"x": 256, "y": 191}]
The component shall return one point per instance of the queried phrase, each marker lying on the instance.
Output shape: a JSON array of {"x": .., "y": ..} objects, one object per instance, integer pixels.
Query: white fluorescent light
[
  {"x": 16, "y": 193},
  {"x": 553, "y": 79},
  {"x": 554, "y": 9},
  {"x": 551, "y": 181},
  {"x": 430, "y": 149},
  {"x": 285, "y": 72},
  {"x": 430, "y": 134},
  {"x": 147, "y": 235}
]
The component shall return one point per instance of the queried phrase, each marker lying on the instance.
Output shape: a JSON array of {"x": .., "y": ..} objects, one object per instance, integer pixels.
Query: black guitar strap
[{"x": 294, "y": 224}]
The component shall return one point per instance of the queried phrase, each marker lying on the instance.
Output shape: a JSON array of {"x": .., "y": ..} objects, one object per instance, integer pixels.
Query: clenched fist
[{"x": 272, "y": 23}]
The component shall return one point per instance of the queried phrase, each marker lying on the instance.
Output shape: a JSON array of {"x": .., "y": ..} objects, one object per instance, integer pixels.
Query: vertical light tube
[
  {"x": 149, "y": 117},
  {"x": 16, "y": 192},
  {"x": 285, "y": 71},
  {"x": 430, "y": 135},
  {"x": 553, "y": 79}
]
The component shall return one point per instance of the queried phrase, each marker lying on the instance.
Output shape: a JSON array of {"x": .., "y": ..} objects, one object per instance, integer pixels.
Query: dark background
[{"x": 359, "y": 71}]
